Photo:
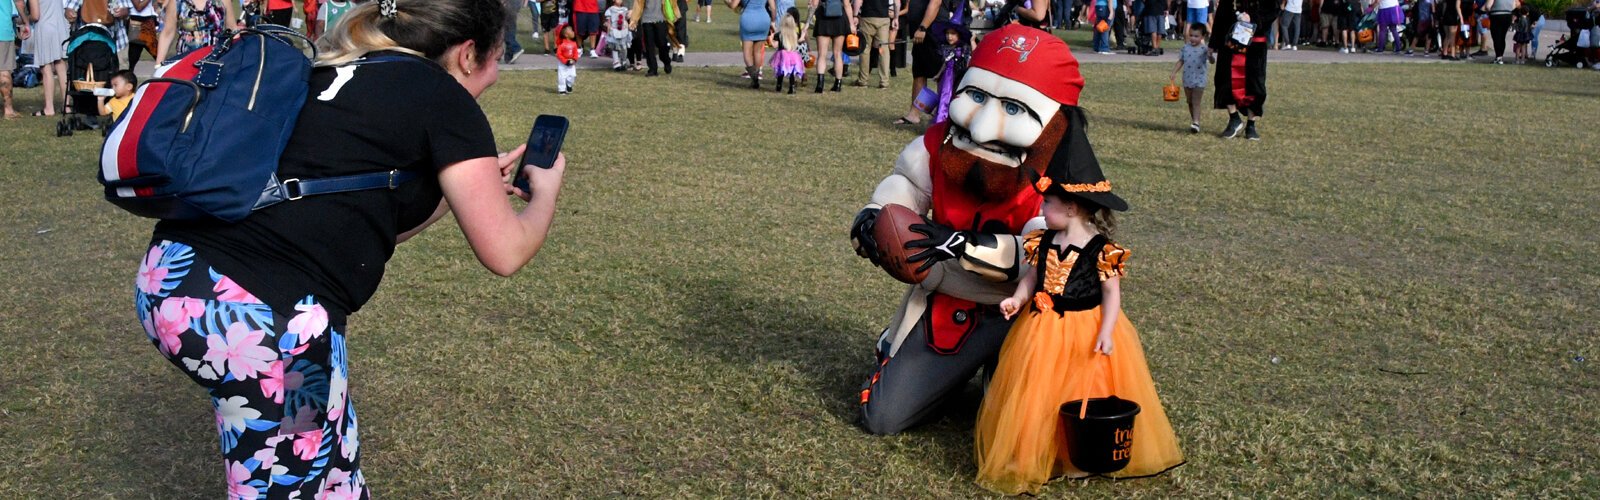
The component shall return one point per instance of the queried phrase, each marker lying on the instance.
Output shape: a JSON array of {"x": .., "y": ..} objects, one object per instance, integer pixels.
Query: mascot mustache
[{"x": 992, "y": 181}]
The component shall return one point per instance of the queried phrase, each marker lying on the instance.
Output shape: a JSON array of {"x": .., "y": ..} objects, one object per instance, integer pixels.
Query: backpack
[{"x": 202, "y": 138}]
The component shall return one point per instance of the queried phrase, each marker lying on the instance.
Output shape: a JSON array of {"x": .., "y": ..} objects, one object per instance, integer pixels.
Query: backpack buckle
[
  {"x": 210, "y": 72},
  {"x": 291, "y": 189},
  {"x": 392, "y": 174}
]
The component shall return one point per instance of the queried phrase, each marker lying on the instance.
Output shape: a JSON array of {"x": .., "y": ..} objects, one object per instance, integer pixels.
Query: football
[{"x": 892, "y": 231}]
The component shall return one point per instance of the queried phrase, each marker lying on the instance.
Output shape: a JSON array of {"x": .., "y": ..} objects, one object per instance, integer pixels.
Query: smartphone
[{"x": 544, "y": 143}]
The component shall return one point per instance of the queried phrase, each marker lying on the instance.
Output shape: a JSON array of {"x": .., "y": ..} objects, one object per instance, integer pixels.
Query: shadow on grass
[
  {"x": 754, "y": 328},
  {"x": 791, "y": 330},
  {"x": 1108, "y": 119}
]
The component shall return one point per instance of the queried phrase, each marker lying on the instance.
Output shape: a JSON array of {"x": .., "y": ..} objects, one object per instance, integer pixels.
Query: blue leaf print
[
  {"x": 313, "y": 390},
  {"x": 286, "y": 479},
  {"x": 176, "y": 257},
  {"x": 260, "y": 425}
]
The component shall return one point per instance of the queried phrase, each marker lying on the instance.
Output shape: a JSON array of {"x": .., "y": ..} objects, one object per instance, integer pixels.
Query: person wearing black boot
[
  {"x": 649, "y": 23},
  {"x": 1242, "y": 57},
  {"x": 833, "y": 22}
]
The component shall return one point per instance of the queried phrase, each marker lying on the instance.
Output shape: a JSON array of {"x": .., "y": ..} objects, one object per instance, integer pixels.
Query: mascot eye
[
  {"x": 977, "y": 96},
  {"x": 1013, "y": 109}
]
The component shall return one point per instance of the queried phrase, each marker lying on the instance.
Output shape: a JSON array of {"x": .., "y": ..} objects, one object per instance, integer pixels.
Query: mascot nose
[{"x": 987, "y": 124}]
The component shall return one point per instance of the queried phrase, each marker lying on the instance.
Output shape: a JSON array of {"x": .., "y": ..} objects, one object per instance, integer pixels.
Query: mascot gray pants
[{"x": 911, "y": 384}]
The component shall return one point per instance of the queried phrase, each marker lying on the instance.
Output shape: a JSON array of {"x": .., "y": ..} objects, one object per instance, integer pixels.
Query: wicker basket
[{"x": 88, "y": 83}]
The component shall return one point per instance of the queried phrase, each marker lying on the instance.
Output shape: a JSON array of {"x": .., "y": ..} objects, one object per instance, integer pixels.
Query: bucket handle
[{"x": 1083, "y": 407}]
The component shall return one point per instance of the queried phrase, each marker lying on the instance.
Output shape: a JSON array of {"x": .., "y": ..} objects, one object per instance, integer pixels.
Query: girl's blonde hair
[
  {"x": 424, "y": 28},
  {"x": 789, "y": 30}
]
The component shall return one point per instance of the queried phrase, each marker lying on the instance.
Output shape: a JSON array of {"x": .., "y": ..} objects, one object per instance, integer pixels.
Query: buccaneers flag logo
[{"x": 1023, "y": 45}]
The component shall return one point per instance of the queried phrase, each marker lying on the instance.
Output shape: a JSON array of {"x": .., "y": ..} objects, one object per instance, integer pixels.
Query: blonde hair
[
  {"x": 425, "y": 28},
  {"x": 789, "y": 32}
]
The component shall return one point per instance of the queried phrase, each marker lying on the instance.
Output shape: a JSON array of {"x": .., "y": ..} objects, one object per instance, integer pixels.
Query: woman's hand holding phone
[{"x": 545, "y": 182}]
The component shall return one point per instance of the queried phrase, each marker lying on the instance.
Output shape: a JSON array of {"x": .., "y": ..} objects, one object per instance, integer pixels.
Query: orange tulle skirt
[{"x": 1047, "y": 360}]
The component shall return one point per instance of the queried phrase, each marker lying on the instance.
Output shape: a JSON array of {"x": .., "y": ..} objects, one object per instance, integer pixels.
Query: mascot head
[{"x": 1014, "y": 113}]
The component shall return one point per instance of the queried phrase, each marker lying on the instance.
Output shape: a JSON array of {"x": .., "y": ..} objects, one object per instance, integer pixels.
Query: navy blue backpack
[{"x": 202, "y": 138}]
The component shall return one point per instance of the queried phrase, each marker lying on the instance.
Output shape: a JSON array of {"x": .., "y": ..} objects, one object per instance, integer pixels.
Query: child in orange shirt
[{"x": 567, "y": 53}]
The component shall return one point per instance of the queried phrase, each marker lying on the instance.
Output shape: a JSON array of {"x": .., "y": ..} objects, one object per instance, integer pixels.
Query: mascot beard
[{"x": 995, "y": 170}]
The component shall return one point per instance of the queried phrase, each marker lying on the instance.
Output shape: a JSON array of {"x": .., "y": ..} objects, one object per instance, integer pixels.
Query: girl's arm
[
  {"x": 1038, "y": 12},
  {"x": 1019, "y": 298},
  {"x": 1110, "y": 308},
  {"x": 169, "y": 12},
  {"x": 232, "y": 10}
]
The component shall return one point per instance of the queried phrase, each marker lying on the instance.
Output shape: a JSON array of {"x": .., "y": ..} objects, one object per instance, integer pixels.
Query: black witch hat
[{"x": 1073, "y": 171}]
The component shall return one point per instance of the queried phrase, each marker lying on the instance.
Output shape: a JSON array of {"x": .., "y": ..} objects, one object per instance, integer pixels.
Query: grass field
[{"x": 1415, "y": 243}]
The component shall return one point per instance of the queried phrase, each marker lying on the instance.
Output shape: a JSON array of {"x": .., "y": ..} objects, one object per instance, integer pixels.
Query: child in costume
[
  {"x": 786, "y": 61},
  {"x": 1071, "y": 343},
  {"x": 567, "y": 53},
  {"x": 619, "y": 38},
  {"x": 1194, "y": 60}
]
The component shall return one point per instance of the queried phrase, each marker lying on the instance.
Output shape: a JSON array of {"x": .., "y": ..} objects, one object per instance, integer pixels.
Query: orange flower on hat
[{"x": 1043, "y": 184}]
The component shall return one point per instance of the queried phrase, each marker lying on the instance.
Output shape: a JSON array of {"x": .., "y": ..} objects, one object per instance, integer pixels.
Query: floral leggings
[{"x": 279, "y": 388}]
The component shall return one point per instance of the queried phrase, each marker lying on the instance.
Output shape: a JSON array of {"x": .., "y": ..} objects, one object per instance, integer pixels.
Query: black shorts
[
  {"x": 588, "y": 24},
  {"x": 925, "y": 60},
  {"x": 548, "y": 22},
  {"x": 832, "y": 26},
  {"x": 279, "y": 17}
]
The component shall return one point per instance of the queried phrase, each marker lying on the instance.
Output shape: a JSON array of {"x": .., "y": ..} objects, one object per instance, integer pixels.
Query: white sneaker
[{"x": 1343, "y": 50}]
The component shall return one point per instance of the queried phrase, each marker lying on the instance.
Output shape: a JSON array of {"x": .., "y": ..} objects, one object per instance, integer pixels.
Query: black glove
[
  {"x": 942, "y": 243},
  {"x": 861, "y": 234}
]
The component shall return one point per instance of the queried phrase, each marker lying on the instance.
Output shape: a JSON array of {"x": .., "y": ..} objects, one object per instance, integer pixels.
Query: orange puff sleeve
[
  {"x": 1113, "y": 261},
  {"x": 1030, "y": 244}
]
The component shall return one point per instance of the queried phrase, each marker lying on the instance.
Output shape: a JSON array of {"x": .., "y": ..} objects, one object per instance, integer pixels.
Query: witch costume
[{"x": 1049, "y": 357}]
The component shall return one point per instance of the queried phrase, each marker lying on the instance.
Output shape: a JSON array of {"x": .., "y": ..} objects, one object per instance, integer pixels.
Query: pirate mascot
[{"x": 972, "y": 177}]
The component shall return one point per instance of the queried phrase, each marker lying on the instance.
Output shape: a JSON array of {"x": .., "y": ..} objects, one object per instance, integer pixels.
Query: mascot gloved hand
[{"x": 861, "y": 235}]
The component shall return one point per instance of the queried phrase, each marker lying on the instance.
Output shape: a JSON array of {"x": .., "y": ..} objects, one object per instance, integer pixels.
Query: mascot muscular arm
[{"x": 975, "y": 180}]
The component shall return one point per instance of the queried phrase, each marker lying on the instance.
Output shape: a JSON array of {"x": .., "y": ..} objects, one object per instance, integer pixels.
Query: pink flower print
[
  {"x": 238, "y": 476},
  {"x": 228, "y": 291},
  {"x": 240, "y": 351},
  {"x": 272, "y": 381},
  {"x": 151, "y": 273},
  {"x": 346, "y": 491},
  {"x": 337, "y": 476},
  {"x": 172, "y": 319},
  {"x": 267, "y": 456},
  {"x": 306, "y": 444},
  {"x": 310, "y": 323}
]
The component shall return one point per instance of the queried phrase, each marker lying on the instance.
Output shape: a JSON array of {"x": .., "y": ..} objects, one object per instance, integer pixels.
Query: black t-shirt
[
  {"x": 408, "y": 114},
  {"x": 874, "y": 8}
]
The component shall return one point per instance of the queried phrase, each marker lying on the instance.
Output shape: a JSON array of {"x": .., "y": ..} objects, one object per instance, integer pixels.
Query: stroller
[
  {"x": 91, "y": 60},
  {"x": 1567, "y": 50}
]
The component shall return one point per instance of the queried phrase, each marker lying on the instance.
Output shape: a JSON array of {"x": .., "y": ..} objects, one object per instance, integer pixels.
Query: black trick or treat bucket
[{"x": 1101, "y": 440}]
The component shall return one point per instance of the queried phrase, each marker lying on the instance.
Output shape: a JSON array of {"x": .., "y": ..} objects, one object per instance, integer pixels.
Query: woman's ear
[{"x": 466, "y": 57}]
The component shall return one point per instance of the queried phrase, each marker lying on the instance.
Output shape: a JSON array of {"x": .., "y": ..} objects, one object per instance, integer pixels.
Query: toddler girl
[
  {"x": 786, "y": 61},
  {"x": 619, "y": 38},
  {"x": 1073, "y": 343}
]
